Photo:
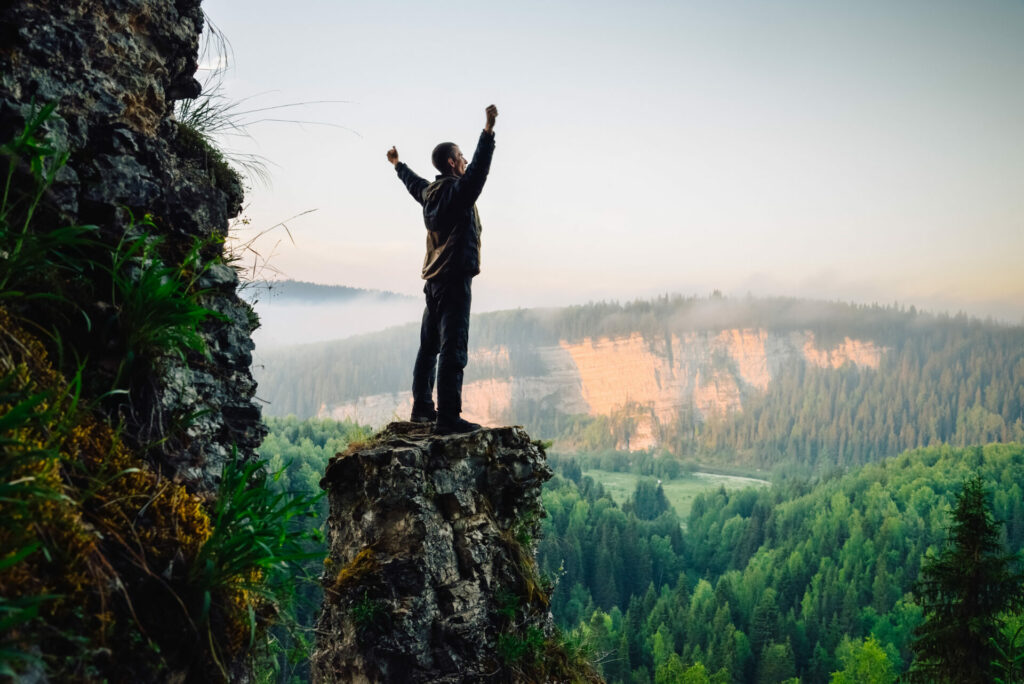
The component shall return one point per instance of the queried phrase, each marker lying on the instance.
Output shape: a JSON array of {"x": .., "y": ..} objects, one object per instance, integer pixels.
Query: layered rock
[{"x": 430, "y": 575}]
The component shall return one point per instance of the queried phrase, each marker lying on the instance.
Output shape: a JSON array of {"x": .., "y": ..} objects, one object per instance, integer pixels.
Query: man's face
[{"x": 458, "y": 162}]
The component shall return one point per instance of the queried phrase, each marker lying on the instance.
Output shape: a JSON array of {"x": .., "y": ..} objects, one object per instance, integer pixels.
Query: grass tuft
[
  {"x": 367, "y": 612},
  {"x": 213, "y": 117},
  {"x": 248, "y": 565},
  {"x": 156, "y": 309}
]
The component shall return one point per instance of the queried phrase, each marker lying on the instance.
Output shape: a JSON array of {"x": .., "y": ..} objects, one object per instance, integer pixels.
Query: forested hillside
[
  {"x": 947, "y": 381},
  {"x": 767, "y": 584},
  {"x": 927, "y": 380}
]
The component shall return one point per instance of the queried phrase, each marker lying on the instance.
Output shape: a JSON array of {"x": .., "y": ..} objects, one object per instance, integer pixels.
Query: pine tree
[
  {"x": 764, "y": 624},
  {"x": 648, "y": 500},
  {"x": 962, "y": 592},
  {"x": 777, "y": 664}
]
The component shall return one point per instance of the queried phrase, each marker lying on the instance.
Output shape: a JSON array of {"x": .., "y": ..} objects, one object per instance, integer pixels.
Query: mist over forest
[
  {"x": 295, "y": 312},
  {"x": 935, "y": 378}
]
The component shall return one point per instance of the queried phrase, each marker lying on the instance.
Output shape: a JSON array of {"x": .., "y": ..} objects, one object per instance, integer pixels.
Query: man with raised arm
[{"x": 453, "y": 258}]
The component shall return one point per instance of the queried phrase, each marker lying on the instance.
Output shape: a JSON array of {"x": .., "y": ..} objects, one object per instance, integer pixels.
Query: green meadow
[{"x": 679, "y": 492}]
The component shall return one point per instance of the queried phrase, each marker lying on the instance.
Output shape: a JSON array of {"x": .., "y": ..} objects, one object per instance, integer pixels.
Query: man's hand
[
  {"x": 393, "y": 156},
  {"x": 492, "y": 114}
]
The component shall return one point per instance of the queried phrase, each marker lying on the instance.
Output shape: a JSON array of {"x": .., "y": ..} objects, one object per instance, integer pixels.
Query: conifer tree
[
  {"x": 648, "y": 500},
  {"x": 963, "y": 591}
]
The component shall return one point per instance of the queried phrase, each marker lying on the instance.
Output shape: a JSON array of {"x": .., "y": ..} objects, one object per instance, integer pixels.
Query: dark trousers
[{"x": 444, "y": 334}]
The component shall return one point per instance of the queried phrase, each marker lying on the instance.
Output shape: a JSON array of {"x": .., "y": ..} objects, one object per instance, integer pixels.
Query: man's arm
[
  {"x": 472, "y": 182},
  {"x": 413, "y": 183},
  {"x": 492, "y": 115}
]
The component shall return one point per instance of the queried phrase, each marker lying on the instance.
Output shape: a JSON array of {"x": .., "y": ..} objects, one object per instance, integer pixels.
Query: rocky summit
[{"x": 430, "y": 575}]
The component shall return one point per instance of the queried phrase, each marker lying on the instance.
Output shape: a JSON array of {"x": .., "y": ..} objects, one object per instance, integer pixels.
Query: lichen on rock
[{"x": 430, "y": 568}]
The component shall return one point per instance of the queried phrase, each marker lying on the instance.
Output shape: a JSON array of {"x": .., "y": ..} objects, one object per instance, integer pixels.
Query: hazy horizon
[{"x": 295, "y": 320}]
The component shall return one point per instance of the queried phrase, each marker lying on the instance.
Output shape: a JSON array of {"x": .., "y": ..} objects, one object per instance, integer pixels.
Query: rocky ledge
[{"x": 430, "y": 575}]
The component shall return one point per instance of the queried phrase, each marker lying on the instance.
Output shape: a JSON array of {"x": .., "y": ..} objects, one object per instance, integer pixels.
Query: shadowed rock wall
[{"x": 114, "y": 69}]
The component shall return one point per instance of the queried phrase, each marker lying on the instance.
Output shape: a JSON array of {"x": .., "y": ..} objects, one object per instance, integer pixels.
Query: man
[{"x": 453, "y": 258}]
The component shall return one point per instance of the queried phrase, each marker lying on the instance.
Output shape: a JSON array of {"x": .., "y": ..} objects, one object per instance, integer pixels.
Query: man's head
[{"x": 448, "y": 159}]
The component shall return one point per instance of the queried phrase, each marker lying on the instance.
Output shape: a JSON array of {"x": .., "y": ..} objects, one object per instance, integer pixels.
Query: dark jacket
[{"x": 450, "y": 215}]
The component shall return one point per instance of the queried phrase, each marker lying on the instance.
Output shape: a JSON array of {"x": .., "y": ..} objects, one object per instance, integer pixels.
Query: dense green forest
[
  {"x": 296, "y": 452},
  {"x": 942, "y": 379},
  {"x": 952, "y": 381},
  {"x": 765, "y": 584},
  {"x": 807, "y": 578}
]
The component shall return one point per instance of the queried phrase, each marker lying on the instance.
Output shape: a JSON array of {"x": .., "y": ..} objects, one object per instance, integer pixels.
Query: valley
[
  {"x": 751, "y": 383},
  {"x": 680, "y": 492}
]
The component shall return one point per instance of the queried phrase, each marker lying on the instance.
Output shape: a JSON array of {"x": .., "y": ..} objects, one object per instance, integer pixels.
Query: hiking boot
[
  {"x": 421, "y": 417},
  {"x": 450, "y": 426}
]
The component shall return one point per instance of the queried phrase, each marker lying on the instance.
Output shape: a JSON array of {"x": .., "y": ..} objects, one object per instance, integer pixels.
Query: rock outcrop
[{"x": 430, "y": 575}]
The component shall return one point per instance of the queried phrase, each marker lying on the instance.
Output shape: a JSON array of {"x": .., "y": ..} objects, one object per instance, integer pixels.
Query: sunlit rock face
[
  {"x": 710, "y": 373},
  {"x": 430, "y": 555}
]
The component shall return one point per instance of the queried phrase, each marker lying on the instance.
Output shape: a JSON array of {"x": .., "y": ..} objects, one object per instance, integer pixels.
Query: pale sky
[{"x": 865, "y": 151}]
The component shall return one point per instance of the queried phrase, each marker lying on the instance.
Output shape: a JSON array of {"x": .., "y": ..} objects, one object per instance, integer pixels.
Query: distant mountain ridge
[
  {"x": 297, "y": 312},
  {"x": 276, "y": 291},
  {"x": 757, "y": 381}
]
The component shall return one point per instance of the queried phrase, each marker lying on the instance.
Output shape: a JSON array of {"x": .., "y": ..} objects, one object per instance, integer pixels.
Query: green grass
[
  {"x": 255, "y": 555},
  {"x": 679, "y": 492}
]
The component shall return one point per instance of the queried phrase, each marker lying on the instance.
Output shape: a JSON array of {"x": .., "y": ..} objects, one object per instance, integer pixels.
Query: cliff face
[
  {"x": 430, "y": 575},
  {"x": 114, "y": 70},
  {"x": 125, "y": 351},
  {"x": 711, "y": 372}
]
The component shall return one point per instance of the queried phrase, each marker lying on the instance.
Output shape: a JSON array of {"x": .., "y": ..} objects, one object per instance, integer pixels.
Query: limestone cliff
[
  {"x": 430, "y": 575},
  {"x": 711, "y": 373}
]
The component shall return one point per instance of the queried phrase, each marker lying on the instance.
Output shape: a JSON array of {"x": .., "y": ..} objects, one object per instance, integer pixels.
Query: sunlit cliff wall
[{"x": 712, "y": 372}]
